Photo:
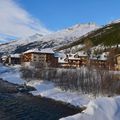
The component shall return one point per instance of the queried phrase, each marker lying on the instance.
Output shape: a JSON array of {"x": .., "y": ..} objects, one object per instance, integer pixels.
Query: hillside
[
  {"x": 107, "y": 35},
  {"x": 52, "y": 40}
]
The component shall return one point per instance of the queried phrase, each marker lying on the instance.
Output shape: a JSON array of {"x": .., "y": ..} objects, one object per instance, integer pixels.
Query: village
[
  {"x": 49, "y": 58},
  {"x": 59, "y": 60}
]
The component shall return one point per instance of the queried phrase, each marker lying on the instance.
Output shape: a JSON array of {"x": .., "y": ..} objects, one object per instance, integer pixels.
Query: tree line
[{"x": 86, "y": 80}]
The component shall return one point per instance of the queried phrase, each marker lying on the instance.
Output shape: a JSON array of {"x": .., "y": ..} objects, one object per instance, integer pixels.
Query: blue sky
[
  {"x": 23, "y": 18},
  {"x": 58, "y": 14}
]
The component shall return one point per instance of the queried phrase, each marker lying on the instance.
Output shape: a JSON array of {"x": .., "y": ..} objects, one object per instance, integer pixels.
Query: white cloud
[{"x": 16, "y": 21}]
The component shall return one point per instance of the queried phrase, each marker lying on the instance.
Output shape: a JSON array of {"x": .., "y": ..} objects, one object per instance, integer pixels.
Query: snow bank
[
  {"x": 48, "y": 89},
  {"x": 99, "y": 109},
  {"x": 11, "y": 74}
]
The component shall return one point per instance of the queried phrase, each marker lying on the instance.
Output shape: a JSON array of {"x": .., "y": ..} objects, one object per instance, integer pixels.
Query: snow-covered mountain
[
  {"x": 48, "y": 41},
  {"x": 107, "y": 35}
]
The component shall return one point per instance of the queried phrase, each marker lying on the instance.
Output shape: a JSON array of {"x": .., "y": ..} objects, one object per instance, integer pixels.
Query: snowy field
[{"x": 102, "y": 108}]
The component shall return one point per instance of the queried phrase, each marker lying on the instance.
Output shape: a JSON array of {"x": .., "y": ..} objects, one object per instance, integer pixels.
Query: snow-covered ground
[
  {"x": 99, "y": 109},
  {"x": 102, "y": 108},
  {"x": 44, "y": 88},
  {"x": 48, "y": 89},
  {"x": 11, "y": 74}
]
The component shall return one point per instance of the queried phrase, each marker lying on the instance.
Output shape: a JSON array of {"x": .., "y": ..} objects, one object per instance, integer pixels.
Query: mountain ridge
[
  {"x": 51, "y": 40},
  {"x": 107, "y": 35}
]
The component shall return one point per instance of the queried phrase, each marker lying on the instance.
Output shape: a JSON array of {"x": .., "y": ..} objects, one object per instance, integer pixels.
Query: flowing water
[{"x": 23, "y": 106}]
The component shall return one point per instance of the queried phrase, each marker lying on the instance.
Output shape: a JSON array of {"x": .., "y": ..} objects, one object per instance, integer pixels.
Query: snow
[
  {"x": 71, "y": 33},
  {"x": 32, "y": 50},
  {"x": 60, "y": 54},
  {"x": 115, "y": 21},
  {"x": 76, "y": 56},
  {"x": 62, "y": 60},
  {"x": 44, "y": 88},
  {"x": 82, "y": 54},
  {"x": 47, "y": 50},
  {"x": 54, "y": 39},
  {"x": 100, "y": 109},
  {"x": 11, "y": 75},
  {"x": 35, "y": 50},
  {"x": 103, "y": 56},
  {"x": 15, "y": 55},
  {"x": 4, "y": 57},
  {"x": 48, "y": 89},
  {"x": 61, "y": 57},
  {"x": 72, "y": 57}
]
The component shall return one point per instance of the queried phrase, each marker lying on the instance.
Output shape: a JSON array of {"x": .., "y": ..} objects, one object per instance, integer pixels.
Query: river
[{"x": 15, "y": 105}]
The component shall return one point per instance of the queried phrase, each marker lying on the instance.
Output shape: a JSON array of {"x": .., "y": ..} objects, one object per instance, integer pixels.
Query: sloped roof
[
  {"x": 46, "y": 50},
  {"x": 103, "y": 56},
  {"x": 15, "y": 55},
  {"x": 32, "y": 50}
]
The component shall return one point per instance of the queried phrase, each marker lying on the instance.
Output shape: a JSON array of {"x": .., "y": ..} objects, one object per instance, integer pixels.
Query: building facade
[
  {"x": 12, "y": 59},
  {"x": 39, "y": 58},
  {"x": 117, "y": 62}
]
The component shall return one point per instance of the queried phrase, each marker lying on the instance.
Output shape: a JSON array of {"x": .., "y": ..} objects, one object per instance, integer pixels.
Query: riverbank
[
  {"x": 21, "y": 105},
  {"x": 102, "y": 108},
  {"x": 45, "y": 88}
]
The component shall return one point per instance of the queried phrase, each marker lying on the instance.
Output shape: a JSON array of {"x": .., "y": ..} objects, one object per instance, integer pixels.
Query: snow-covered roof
[
  {"x": 82, "y": 53},
  {"x": 72, "y": 57},
  {"x": 62, "y": 60},
  {"x": 60, "y": 54},
  {"x": 61, "y": 57},
  {"x": 46, "y": 50},
  {"x": 102, "y": 57},
  {"x": 15, "y": 55},
  {"x": 32, "y": 50},
  {"x": 4, "y": 57}
]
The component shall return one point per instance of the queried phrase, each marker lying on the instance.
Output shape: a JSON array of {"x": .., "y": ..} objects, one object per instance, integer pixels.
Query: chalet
[
  {"x": 117, "y": 62},
  {"x": 44, "y": 57},
  {"x": 100, "y": 61},
  {"x": 83, "y": 57},
  {"x": 62, "y": 59},
  {"x": 71, "y": 60},
  {"x": 74, "y": 60},
  {"x": 11, "y": 59},
  {"x": 78, "y": 59}
]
